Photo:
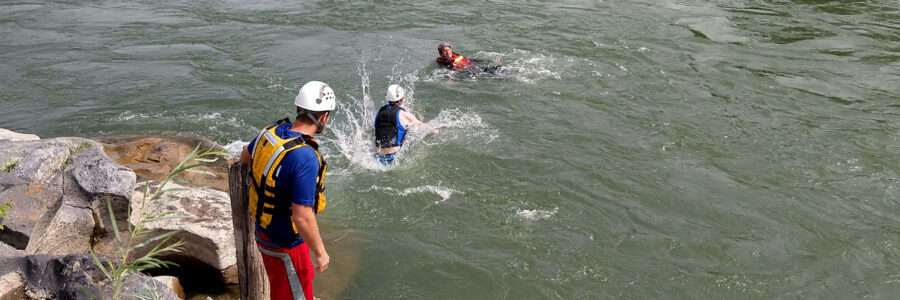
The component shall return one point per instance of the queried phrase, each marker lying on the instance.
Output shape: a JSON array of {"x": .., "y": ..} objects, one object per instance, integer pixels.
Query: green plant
[
  {"x": 138, "y": 235},
  {"x": 10, "y": 165},
  {"x": 80, "y": 147},
  {"x": 4, "y": 210}
]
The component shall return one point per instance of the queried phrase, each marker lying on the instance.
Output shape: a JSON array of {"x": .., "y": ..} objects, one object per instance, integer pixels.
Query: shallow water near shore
[{"x": 648, "y": 149}]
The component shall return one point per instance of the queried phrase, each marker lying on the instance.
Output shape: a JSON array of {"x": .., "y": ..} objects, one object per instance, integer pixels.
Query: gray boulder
[
  {"x": 12, "y": 286},
  {"x": 103, "y": 180},
  {"x": 37, "y": 161},
  {"x": 8, "y": 180},
  {"x": 29, "y": 202},
  {"x": 42, "y": 163},
  {"x": 144, "y": 285},
  {"x": 173, "y": 284},
  {"x": 9, "y": 135},
  {"x": 68, "y": 277},
  {"x": 7, "y": 251},
  {"x": 207, "y": 233},
  {"x": 12, "y": 266},
  {"x": 34, "y": 183},
  {"x": 54, "y": 277},
  {"x": 63, "y": 230}
]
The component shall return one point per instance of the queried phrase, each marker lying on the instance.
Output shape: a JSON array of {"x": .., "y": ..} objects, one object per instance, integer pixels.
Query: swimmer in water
[
  {"x": 391, "y": 124},
  {"x": 453, "y": 61}
]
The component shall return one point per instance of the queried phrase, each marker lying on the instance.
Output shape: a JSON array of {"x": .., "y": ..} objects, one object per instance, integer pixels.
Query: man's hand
[
  {"x": 322, "y": 262},
  {"x": 245, "y": 155}
]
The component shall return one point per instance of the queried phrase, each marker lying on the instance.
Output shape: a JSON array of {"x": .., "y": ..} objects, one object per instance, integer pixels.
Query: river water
[{"x": 630, "y": 149}]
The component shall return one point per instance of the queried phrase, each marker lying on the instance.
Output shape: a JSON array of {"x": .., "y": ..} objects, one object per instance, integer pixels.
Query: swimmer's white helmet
[{"x": 394, "y": 93}]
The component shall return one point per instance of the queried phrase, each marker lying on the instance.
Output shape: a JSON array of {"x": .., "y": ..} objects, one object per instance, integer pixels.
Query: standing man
[
  {"x": 286, "y": 192},
  {"x": 391, "y": 122}
]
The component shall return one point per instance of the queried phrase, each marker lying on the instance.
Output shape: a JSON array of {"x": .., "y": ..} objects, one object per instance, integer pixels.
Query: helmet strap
[{"x": 319, "y": 126}]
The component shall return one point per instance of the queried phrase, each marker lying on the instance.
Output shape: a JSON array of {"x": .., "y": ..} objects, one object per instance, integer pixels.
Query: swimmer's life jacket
[
  {"x": 269, "y": 151},
  {"x": 388, "y": 130},
  {"x": 457, "y": 62}
]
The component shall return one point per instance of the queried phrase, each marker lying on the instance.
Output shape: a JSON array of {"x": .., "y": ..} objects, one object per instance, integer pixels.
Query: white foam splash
[
  {"x": 443, "y": 192},
  {"x": 209, "y": 116},
  {"x": 129, "y": 115},
  {"x": 354, "y": 133},
  {"x": 536, "y": 214}
]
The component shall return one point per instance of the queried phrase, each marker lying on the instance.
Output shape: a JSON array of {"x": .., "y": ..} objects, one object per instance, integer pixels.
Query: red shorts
[{"x": 288, "y": 270}]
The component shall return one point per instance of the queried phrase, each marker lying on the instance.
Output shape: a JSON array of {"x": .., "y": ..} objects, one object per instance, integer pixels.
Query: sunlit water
[{"x": 628, "y": 149}]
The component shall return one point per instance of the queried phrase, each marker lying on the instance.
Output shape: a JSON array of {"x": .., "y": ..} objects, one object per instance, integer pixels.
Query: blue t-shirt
[{"x": 295, "y": 180}]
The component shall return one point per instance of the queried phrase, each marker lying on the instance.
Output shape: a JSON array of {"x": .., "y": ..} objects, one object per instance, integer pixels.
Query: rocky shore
[{"x": 59, "y": 190}]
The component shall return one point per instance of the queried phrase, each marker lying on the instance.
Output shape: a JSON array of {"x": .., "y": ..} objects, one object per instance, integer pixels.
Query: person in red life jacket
[
  {"x": 286, "y": 192},
  {"x": 453, "y": 61}
]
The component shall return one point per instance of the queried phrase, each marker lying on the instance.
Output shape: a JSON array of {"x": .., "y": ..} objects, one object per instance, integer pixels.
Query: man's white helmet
[
  {"x": 394, "y": 93},
  {"x": 315, "y": 96}
]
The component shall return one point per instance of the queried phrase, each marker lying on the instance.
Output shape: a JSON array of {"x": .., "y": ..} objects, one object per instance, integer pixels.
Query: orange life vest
[{"x": 457, "y": 62}]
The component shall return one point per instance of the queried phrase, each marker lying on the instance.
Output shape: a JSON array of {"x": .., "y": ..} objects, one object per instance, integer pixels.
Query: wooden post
[{"x": 251, "y": 272}]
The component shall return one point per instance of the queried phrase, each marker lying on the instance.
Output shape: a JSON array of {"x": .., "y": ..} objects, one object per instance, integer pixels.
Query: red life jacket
[{"x": 457, "y": 62}]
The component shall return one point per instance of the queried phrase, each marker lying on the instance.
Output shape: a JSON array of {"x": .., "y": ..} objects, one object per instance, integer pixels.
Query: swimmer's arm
[{"x": 410, "y": 119}]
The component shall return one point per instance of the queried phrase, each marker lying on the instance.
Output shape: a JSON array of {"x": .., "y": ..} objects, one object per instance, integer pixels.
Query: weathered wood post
[{"x": 251, "y": 273}]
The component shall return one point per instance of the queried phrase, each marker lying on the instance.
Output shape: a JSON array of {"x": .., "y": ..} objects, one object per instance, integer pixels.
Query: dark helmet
[{"x": 441, "y": 47}]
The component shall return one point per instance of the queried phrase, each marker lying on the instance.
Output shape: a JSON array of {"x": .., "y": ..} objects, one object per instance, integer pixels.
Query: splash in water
[
  {"x": 354, "y": 132},
  {"x": 521, "y": 65}
]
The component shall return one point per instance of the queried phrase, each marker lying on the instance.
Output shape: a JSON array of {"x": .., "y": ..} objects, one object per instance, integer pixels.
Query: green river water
[{"x": 630, "y": 149}]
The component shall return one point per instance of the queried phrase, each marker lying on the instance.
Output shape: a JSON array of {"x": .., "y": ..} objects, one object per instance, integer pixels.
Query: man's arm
[{"x": 305, "y": 220}]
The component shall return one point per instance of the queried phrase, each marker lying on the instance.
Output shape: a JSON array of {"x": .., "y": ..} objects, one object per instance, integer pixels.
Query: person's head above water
[
  {"x": 445, "y": 50},
  {"x": 395, "y": 94}
]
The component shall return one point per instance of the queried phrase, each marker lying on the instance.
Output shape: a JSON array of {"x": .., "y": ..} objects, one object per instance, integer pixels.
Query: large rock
[
  {"x": 54, "y": 277},
  {"x": 8, "y": 180},
  {"x": 97, "y": 174},
  {"x": 12, "y": 286},
  {"x": 29, "y": 202},
  {"x": 207, "y": 233},
  {"x": 103, "y": 181},
  {"x": 12, "y": 266},
  {"x": 9, "y": 251},
  {"x": 42, "y": 163},
  {"x": 11, "y": 152},
  {"x": 6, "y": 134},
  {"x": 141, "y": 284},
  {"x": 63, "y": 230},
  {"x": 68, "y": 277},
  {"x": 172, "y": 283},
  {"x": 34, "y": 183},
  {"x": 37, "y": 161}
]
